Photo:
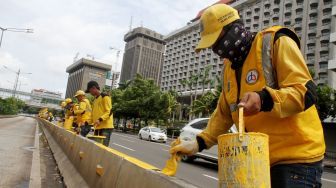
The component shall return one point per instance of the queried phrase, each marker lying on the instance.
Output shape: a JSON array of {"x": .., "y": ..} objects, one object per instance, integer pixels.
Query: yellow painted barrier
[
  {"x": 85, "y": 163},
  {"x": 243, "y": 159}
]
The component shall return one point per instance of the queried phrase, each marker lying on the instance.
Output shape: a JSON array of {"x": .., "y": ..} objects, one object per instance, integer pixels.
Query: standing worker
[
  {"x": 83, "y": 112},
  {"x": 101, "y": 112},
  {"x": 267, "y": 75}
]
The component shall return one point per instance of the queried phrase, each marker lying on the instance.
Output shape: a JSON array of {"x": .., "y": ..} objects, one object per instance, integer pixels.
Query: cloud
[{"x": 63, "y": 28}]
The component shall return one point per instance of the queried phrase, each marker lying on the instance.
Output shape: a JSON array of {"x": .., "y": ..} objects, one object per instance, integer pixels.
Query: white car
[
  {"x": 153, "y": 134},
  {"x": 191, "y": 130}
]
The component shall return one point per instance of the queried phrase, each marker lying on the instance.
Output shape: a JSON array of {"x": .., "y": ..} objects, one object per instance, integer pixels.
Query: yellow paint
[
  {"x": 68, "y": 123},
  {"x": 171, "y": 165},
  {"x": 133, "y": 160},
  {"x": 81, "y": 154},
  {"x": 99, "y": 170}
]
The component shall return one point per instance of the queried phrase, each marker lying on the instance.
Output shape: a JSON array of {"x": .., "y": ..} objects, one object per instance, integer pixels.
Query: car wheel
[
  {"x": 149, "y": 138},
  {"x": 188, "y": 159},
  {"x": 140, "y": 136}
]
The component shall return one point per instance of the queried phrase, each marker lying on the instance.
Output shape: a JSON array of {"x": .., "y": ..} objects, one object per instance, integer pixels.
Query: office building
[
  {"x": 45, "y": 96},
  {"x": 83, "y": 71},
  {"x": 143, "y": 55}
]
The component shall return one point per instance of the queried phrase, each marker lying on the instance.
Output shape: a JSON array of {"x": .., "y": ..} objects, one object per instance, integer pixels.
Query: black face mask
[{"x": 235, "y": 44}]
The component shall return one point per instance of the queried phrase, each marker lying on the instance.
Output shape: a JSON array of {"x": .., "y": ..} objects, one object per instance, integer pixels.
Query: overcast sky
[{"x": 64, "y": 27}]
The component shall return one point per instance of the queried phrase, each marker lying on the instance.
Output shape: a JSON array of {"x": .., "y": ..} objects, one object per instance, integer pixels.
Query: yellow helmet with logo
[
  {"x": 80, "y": 92},
  {"x": 68, "y": 100},
  {"x": 213, "y": 20}
]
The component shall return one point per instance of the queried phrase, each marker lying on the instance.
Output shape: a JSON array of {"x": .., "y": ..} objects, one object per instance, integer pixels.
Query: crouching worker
[
  {"x": 83, "y": 113},
  {"x": 266, "y": 74}
]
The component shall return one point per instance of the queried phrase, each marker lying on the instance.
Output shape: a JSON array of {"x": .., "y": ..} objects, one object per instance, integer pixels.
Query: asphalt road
[
  {"x": 25, "y": 158},
  {"x": 200, "y": 172}
]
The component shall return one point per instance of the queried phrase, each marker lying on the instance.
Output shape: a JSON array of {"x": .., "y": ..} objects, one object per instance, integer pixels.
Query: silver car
[{"x": 190, "y": 131}]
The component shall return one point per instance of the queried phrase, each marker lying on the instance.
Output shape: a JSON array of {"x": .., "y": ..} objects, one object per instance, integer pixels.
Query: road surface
[
  {"x": 200, "y": 172},
  {"x": 25, "y": 158}
]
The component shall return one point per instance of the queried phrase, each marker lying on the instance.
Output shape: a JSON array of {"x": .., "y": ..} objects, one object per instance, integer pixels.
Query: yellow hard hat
[
  {"x": 63, "y": 104},
  {"x": 79, "y": 92},
  {"x": 68, "y": 100},
  {"x": 213, "y": 20}
]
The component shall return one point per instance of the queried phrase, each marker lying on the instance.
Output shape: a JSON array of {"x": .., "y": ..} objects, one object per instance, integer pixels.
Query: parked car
[
  {"x": 189, "y": 132},
  {"x": 153, "y": 134}
]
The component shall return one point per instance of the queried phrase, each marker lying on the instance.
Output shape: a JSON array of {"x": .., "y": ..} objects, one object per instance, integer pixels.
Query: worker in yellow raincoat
[
  {"x": 267, "y": 75},
  {"x": 102, "y": 116},
  {"x": 50, "y": 117},
  {"x": 69, "y": 114},
  {"x": 83, "y": 113}
]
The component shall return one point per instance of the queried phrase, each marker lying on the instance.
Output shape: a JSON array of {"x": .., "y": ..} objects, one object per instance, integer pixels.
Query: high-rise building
[
  {"x": 112, "y": 80},
  {"x": 143, "y": 54},
  {"x": 312, "y": 20},
  {"x": 83, "y": 71},
  {"x": 332, "y": 50}
]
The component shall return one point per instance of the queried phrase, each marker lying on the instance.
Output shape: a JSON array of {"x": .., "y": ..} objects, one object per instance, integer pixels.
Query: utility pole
[
  {"x": 14, "y": 30},
  {"x": 16, "y": 79}
]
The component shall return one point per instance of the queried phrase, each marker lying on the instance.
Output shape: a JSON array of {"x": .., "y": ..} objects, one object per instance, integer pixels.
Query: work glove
[{"x": 183, "y": 147}]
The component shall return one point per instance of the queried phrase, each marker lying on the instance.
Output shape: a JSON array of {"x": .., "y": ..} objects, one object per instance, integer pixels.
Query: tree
[
  {"x": 10, "y": 106},
  {"x": 203, "y": 105},
  {"x": 204, "y": 77},
  {"x": 208, "y": 102},
  {"x": 140, "y": 99},
  {"x": 326, "y": 103}
]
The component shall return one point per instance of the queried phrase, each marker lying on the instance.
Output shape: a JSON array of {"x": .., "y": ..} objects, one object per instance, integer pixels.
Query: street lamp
[
  {"x": 14, "y": 30},
  {"x": 17, "y": 78}
]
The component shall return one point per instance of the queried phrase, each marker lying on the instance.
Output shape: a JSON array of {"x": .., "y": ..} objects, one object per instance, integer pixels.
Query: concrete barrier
[{"x": 85, "y": 163}]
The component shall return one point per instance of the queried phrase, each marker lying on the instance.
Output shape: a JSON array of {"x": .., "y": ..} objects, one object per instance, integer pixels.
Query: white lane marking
[
  {"x": 211, "y": 177},
  {"x": 162, "y": 144},
  {"x": 139, "y": 139},
  {"x": 126, "y": 136},
  {"x": 35, "y": 175},
  {"x": 165, "y": 150},
  {"x": 126, "y": 140},
  {"x": 333, "y": 181},
  {"x": 123, "y": 146}
]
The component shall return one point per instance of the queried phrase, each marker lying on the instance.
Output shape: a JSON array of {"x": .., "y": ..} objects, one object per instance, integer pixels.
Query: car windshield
[{"x": 157, "y": 130}]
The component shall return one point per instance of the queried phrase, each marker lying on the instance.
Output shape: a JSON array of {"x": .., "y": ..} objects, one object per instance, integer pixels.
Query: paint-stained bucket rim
[{"x": 223, "y": 136}]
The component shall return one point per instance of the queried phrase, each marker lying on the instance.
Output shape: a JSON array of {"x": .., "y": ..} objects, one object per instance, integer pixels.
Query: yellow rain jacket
[
  {"x": 294, "y": 128},
  {"x": 102, "y": 111},
  {"x": 83, "y": 112}
]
